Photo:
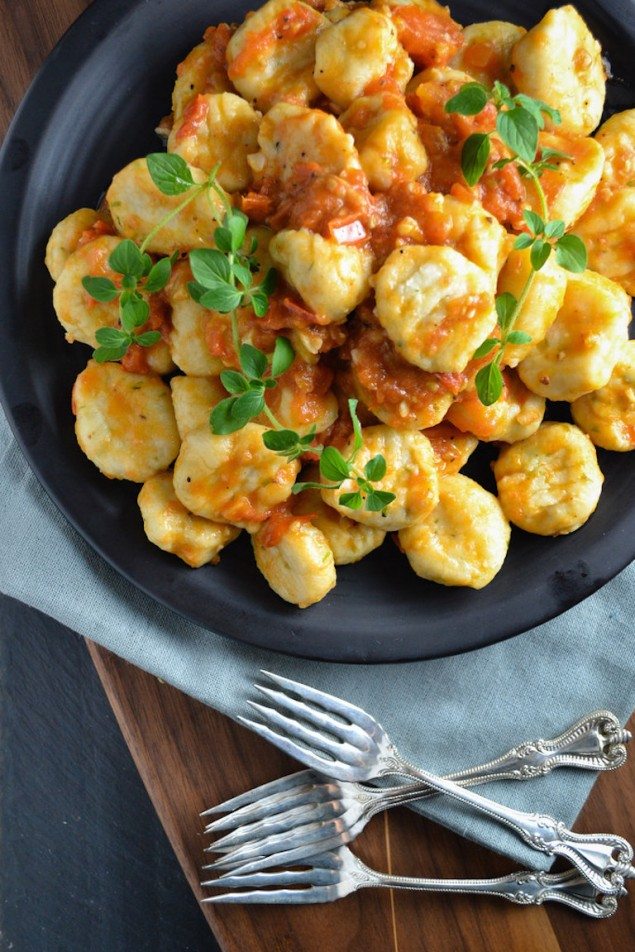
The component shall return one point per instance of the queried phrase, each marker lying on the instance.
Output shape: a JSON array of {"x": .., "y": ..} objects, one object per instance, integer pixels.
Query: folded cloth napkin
[{"x": 445, "y": 715}]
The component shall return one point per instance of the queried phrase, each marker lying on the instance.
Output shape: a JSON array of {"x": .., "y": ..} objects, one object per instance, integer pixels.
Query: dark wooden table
[{"x": 189, "y": 757}]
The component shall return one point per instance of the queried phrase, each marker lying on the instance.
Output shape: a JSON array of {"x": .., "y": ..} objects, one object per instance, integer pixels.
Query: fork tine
[
  {"x": 257, "y": 793},
  {"x": 321, "y": 764},
  {"x": 275, "y": 896},
  {"x": 290, "y": 857},
  {"x": 287, "y": 822},
  {"x": 272, "y": 805},
  {"x": 340, "y": 750},
  {"x": 311, "y": 876},
  {"x": 306, "y": 835},
  {"x": 349, "y": 732},
  {"x": 328, "y": 701}
]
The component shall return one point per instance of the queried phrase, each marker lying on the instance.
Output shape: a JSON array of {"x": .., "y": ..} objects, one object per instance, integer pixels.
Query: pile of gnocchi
[{"x": 325, "y": 123}]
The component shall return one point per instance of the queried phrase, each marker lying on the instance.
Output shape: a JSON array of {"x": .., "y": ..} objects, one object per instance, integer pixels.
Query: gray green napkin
[{"x": 445, "y": 715}]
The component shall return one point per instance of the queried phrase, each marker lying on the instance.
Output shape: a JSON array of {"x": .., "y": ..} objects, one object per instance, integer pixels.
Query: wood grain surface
[{"x": 190, "y": 757}]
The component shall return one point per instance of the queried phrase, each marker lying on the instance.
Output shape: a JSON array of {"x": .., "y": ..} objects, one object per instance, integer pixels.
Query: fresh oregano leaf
[
  {"x": 375, "y": 468},
  {"x": 534, "y": 221},
  {"x": 469, "y": 101},
  {"x": 220, "y": 297},
  {"x": 100, "y": 289},
  {"x": 102, "y": 354},
  {"x": 159, "y": 276},
  {"x": 474, "y": 156},
  {"x": 377, "y": 500},
  {"x": 523, "y": 241},
  {"x": 518, "y": 337},
  {"x": 489, "y": 384},
  {"x": 111, "y": 337},
  {"x": 127, "y": 259},
  {"x": 351, "y": 500},
  {"x": 281, "y": 441},
  {"x": 148, "y": 338},
  {"x": 209, "y": 267},
  {"x": 506, "y": 305},
  {"x": 170, "y": 173},
  {"x": 333, "y": 466},
  {"x": 236, "y": 224},
  {"x": 539, "y": 254},
  {"x": 234, "y": 382},
  {"x": 283, "y": 356},
  {"x": 134, "y": 313},
  {"x": 252, "y": 361},
  {"x": 571, "y": 254},
  {"x": 519, "y": 131},
  {"x": 486, "y": 347}
]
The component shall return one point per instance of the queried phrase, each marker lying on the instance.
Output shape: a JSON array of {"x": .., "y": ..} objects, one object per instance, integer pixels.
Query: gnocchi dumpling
[
  {"x": 452, "y": 449},
  {"x": 349, "y": 541},
  {"x": 296, "y": 560},
  {"x": 169, "y": 525},
  {"x": 124, "y": 422},
  {"x": 193, "y": 399},
  {"x": 608, "y": 230},
  {"x": 487, "y": 50},
  {"x": 560, "y": 62},
  {"x": 331, "y": 279},
  {"x": 617, "y": 138},
  {"x": 582, "y": 345},
  {"x": 388, "y": 144},
  {"x": 232, "y": 478},
  {"x": 463, "y": 541},
  {"x": 203, "y": 70},
  {"x": 65, "y": 239},
  {"x": 355, "y": 53},
  {"x": 80, "y": 315},
  {"x": 410, "y": 474},
  {"x": 189, "y": 322},
  {"x": 516, "y": 414},
  {"x": 607, "y": 416},
  {"x": 541, "y": 305},
  {"x": 435, "y": 305},
  {"x": 218, "y": 129},
  {"x": 272, "y": 54},
  {"x": 136, "y": 205},
  {"x": 291, "y": 135},
  {"x": 550, "y": 483},
  {"x": 396, "y": 392},
  {"x": 571, "y": 188},
  {"x": 302, "y": 401}
]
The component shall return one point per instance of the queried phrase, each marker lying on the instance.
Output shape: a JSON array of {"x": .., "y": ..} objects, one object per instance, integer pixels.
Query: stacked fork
[{"x": 307, "y": 819}]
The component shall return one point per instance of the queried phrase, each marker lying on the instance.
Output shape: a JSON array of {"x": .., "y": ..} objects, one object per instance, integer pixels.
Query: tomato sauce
[
  {"x": 309, "y": 384},
  {"x": 97, "y": 230},
  {"x": 135, "y": 360},
  {"x": 194, "y": 117},
  {"x": 277, "y": 526},
  {"x": 430, "y": 39},
  {"x": 290, "y": 25}
]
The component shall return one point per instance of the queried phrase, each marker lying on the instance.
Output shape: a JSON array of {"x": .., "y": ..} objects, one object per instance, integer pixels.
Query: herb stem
[
  {"x": 272, "y": 419},
  {"x": 167, "y": 218},
  {"x": 542, "y": 198}
]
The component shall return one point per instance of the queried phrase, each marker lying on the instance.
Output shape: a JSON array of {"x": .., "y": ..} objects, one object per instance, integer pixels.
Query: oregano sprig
[
  {"x": 336, "y": 469},
  {"x": 518, "y": 123},
  {"x": 139, "y": 275}
]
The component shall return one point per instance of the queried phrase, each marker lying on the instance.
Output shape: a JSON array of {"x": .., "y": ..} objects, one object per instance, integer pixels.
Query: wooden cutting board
[{"x": 191, "y": 757}]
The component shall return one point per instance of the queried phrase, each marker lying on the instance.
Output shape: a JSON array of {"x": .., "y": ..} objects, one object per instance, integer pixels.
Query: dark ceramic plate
[{"x": 90, "y": 111}]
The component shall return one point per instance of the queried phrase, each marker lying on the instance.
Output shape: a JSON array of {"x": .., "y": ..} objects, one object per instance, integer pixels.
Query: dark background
[{"x": 85, "y": 865}]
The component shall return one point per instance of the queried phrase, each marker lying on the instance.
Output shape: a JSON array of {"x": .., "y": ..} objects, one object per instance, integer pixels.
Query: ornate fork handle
[
  {"x": 523, "y": 888},
  {"x": 595, "y": 742},
  {"x": 603, "y": 859}
]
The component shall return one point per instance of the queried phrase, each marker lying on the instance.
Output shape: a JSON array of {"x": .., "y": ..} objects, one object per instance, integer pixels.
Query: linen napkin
[{"x": 445, "y": 715}]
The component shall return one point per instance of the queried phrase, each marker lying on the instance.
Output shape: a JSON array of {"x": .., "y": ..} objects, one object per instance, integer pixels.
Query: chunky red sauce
[
  {"x": 430, "y": 39},
  {"x": 194, "y": 117},
  {"x": 290, "y": 25}
]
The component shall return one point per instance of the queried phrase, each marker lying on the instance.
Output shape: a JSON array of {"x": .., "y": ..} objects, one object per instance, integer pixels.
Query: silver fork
[
  {"x": 342, "y": 741},
  {"x": 338, "y": 873},
  {"x": 303, "y": 811}
]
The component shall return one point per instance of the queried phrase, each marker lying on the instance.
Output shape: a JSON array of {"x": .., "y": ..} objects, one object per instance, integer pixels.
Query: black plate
[{"x": 91, "y": 110}]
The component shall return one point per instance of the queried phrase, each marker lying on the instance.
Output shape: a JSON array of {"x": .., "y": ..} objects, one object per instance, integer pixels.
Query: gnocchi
[
  {"x": 368, "y": 307},
  {"x": 234, "y": 478},
  {"x": 560, "y": 62},
  {"x": 79, "y": 314},
  {"x": 124, "y": 422},
  {"x": 169, "y": 525},
  {"x": 463, "y": 541},
  {"x": 435, "y": 305},
  {"x": 550, "y": 483},
  {"x": 607, "y": 415},
  {"x": 413, "y": 478},
  {"x": 136, "y": 205},
  {"x": 296, "y": 561},
  {"x": 218, "y": 129},
  {"x": 581, "y": 347}
]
